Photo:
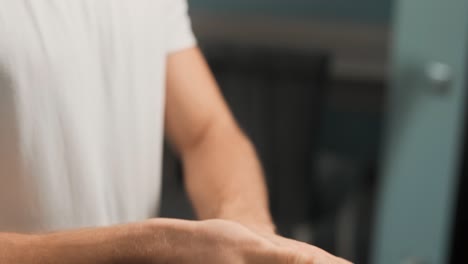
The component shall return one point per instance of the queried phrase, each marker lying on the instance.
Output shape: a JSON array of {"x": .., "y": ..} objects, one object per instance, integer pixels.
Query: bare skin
[
  {"x": 222, "y": 174},
  {"x": 161, "y": 241},
  {"x": 223, "y": 178}
]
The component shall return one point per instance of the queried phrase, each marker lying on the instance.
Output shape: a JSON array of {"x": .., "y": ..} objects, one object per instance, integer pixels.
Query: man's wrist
[
  {"x": 169, "y": 236},
  {"x": 259, "y": 222}
]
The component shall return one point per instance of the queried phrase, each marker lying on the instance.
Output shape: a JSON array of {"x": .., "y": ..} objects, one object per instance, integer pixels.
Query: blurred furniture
[{"x": 359, "y": 50}]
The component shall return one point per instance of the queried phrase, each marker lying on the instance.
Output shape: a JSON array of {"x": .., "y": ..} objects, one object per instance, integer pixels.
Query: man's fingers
[
  {"x": 302, "y": 253},
  {"x": 295, "y": 257},
  {"x": 343, "y": 261}
]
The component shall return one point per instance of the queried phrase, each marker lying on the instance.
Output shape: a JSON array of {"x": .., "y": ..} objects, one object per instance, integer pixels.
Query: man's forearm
[
  {"x": 225, "y": 180},
  {"x": 146, "y": 242}
]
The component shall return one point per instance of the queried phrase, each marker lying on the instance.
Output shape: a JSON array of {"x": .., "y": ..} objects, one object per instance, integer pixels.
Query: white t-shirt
[{"x": 81, "y": 109}]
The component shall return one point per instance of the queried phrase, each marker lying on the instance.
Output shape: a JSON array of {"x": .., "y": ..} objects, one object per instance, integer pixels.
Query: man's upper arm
[{"x": 194, "y": 104}]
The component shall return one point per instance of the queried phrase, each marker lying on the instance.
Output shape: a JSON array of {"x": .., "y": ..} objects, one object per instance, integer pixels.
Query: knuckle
[{"x": 294, "y": 257}]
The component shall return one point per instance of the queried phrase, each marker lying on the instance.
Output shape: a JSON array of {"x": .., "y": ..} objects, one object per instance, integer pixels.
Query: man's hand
[{"x": 220, "y": 241}]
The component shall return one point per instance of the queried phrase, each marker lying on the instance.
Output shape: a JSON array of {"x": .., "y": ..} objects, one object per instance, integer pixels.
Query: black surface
[{"x": 460, "y": 229}]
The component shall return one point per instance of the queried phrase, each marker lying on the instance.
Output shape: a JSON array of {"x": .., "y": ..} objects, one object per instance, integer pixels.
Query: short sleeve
[{"x": 179, "y": 33}]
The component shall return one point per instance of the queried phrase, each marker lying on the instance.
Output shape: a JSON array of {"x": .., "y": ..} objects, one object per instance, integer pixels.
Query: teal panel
[{"x": 420, "y": 165}]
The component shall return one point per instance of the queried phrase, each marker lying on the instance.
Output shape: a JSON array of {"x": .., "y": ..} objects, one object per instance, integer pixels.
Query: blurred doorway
[{"x": 424, "y": 136}]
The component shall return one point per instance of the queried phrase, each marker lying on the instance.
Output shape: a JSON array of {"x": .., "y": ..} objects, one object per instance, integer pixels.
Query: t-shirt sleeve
[{"x": 179, "y": 34}]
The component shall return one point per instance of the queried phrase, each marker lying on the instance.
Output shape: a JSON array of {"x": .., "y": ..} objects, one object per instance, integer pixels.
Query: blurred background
[{"x": 357, "y": 111}]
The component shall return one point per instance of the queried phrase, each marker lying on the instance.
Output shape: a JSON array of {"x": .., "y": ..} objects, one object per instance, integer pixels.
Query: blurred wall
[
  {"x": 367, "y": 11},
  {"x": 355, "y": 33}
]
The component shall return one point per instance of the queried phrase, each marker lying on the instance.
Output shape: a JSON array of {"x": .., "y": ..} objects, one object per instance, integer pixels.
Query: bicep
[{"x": 194, "y": 103}]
